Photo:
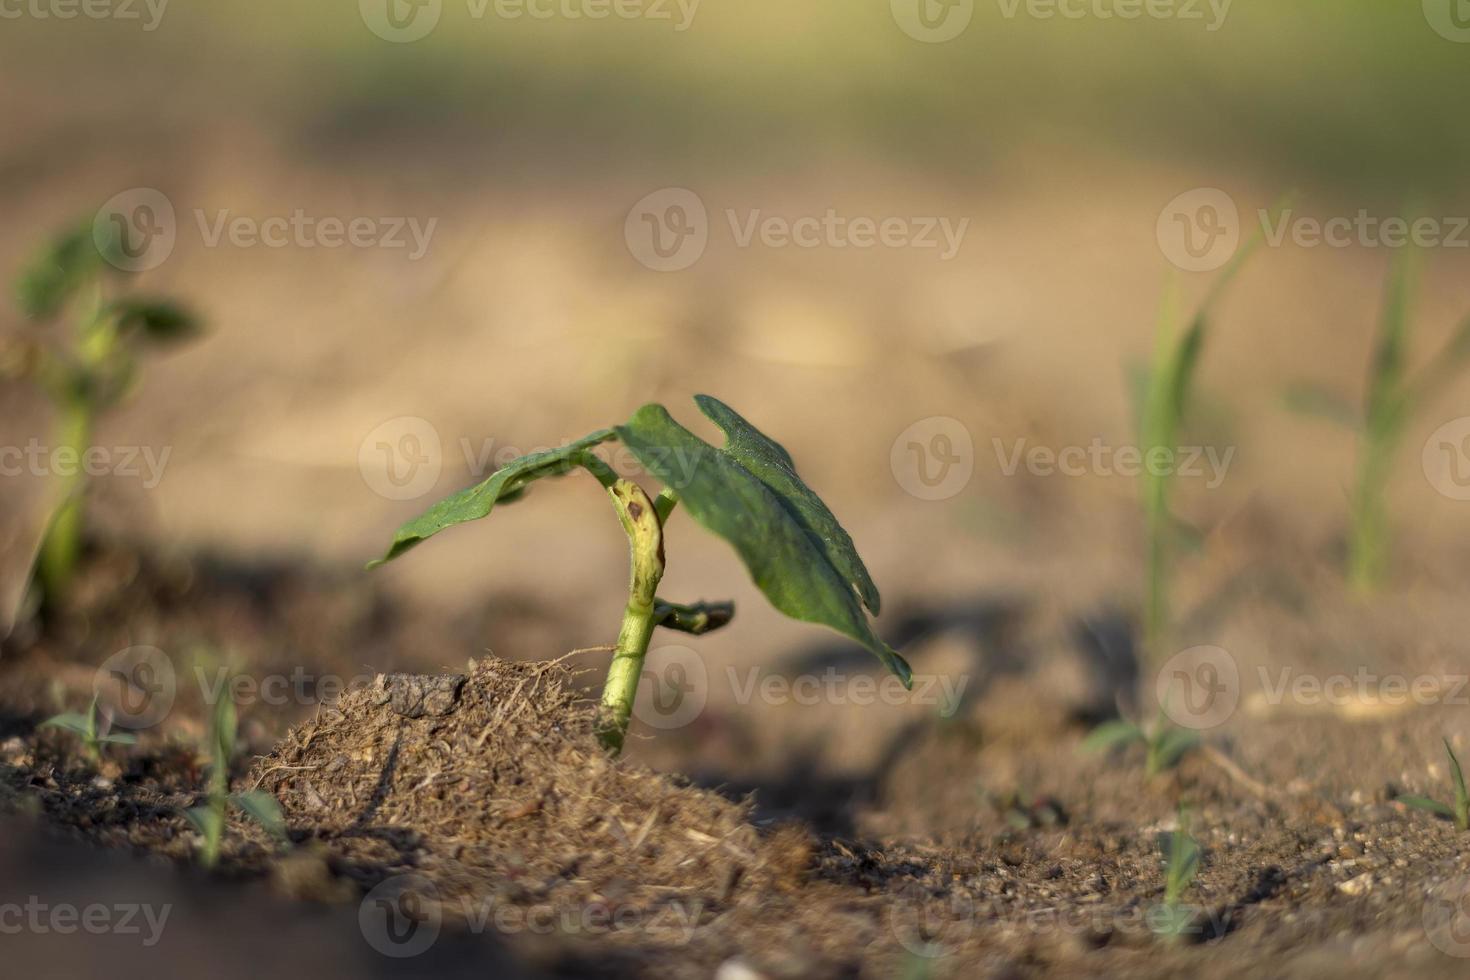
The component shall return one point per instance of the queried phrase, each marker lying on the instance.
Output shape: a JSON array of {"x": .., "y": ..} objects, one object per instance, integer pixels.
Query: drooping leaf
[
  {"x": 773, "y": 466},
  {"x": 157, "y": 320},
  {"x": 1110, "y": 735},
  {"x": 506, "y": 483},
  {"x": 723, "y": 494},
  {"x": 264, "y": 809}
]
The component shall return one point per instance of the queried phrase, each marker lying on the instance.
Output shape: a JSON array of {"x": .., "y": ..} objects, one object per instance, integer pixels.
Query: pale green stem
[{"x": 642, "y": 522}]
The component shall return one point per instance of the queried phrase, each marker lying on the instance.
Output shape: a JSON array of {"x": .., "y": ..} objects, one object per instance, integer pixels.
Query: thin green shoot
[
  {"x": 85, "y": 727},
  {"x": 1459, "y": 811},
  {"x": 1172, "y": 919},
  {"x": 1165, "y": 744},
  {"x": 209, "y": 818}
]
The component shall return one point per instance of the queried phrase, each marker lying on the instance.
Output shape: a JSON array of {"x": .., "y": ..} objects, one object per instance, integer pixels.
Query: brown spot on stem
[{"x": 635, "y": 510}]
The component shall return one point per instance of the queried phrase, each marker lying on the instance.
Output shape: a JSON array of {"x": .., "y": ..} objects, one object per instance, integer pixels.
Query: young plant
[
  {"x": 746, "y": 491},
  {"x": 85, "y": 727},
  {"x": 209, "y": 818},
  {"x": 1460, "y": 811},
  {"x": 86, "y": 367},
  {"x": 1162, "y": 404},
  {"x": 1164, "y": 744},
  {"x": 1171, "y": 919},
  {"x": 1393, "y": 397}
]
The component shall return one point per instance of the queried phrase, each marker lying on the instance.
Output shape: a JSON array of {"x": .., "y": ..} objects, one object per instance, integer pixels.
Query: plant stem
[
  {"x": 63, "y": 543},
  {"x": 644, "y": 526}
]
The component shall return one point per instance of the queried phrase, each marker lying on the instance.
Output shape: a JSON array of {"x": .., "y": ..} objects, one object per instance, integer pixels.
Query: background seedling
[
  {"x": 746, "y": 491},
  {"x": 1165, "y": 744},
  {"x": 1163, "y": 397},
  {"x": 1172, "y": 920},
  {"x": 209, "y": 818},
  {"x": 85, "y": 366},
  {"x": 1392, "y": 399},
  {"x": 85, "y": 727},
  {"x": 1460, "y": 811}
]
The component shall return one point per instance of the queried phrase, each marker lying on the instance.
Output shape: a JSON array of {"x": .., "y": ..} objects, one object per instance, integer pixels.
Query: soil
[{"x": 474, "y": 813}]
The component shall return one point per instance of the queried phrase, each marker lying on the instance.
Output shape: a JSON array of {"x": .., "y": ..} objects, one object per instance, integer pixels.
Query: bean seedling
[
  {"x": 258, "y": 805},
  {"x": 84, "y": 369},
  {"x": 746, "y": 491},
  {"x": 1460, "y": 812},
  {"x": 85, "y": 727},
  {"x": 1164, "y": 744},
  {"x": 1392, "y": 399}
]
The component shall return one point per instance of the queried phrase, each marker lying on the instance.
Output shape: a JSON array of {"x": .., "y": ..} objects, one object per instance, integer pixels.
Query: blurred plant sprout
[
  {"x": 209, "y": 818},
  {"x": 1172, "y": 920},
  {"x": 1391, "y": 401},
  {"x": 85, "y": 727},
  {"x": 1164, "y": 744},
  {"x": 746, "y": 492},
  {"x": 1163, "y": 397},
  {"x": 1460, "y": 811},
  {"x": 85, "y": 367}
]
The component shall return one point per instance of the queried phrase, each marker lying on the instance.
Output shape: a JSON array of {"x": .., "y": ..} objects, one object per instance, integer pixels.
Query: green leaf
[
  {"x": 1390, "y": 354},
  {"x": 70, "y": 721},
  {"x": 1318, "y": 402},
  {"x": 695, "y": 619},
  {"x": 1171, "y": 746},
  {"x": 505, "y": 484},
  {"x": 789, "y": 565},
  {"x": 264, "y": 809},
  {"x": 160, "y": 321},
  {"x": 1462, "y": 796},
  {"x": 118, "y": 739},
  {"x": 1424, "y": 803},
  {"x": 206, "y": 820},
  {"x": 1111, "y": 735},
  {"x": 55, "y": 276},
  {"x": 772, "y": 465}
]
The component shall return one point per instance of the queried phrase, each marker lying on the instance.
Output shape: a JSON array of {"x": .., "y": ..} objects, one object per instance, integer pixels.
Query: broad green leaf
[
  {"x": 118, "y": 739},
  {"x": 157, "y": 320},
  {"x": 1424, "y": 803},
  {"x": 476, "y": 502},
  {"x": 788, "y": 565},
  {"x": 772, "y": 465},
  {"x": 264, "y": 809},
  {"x": 1110, "y": 735}
]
